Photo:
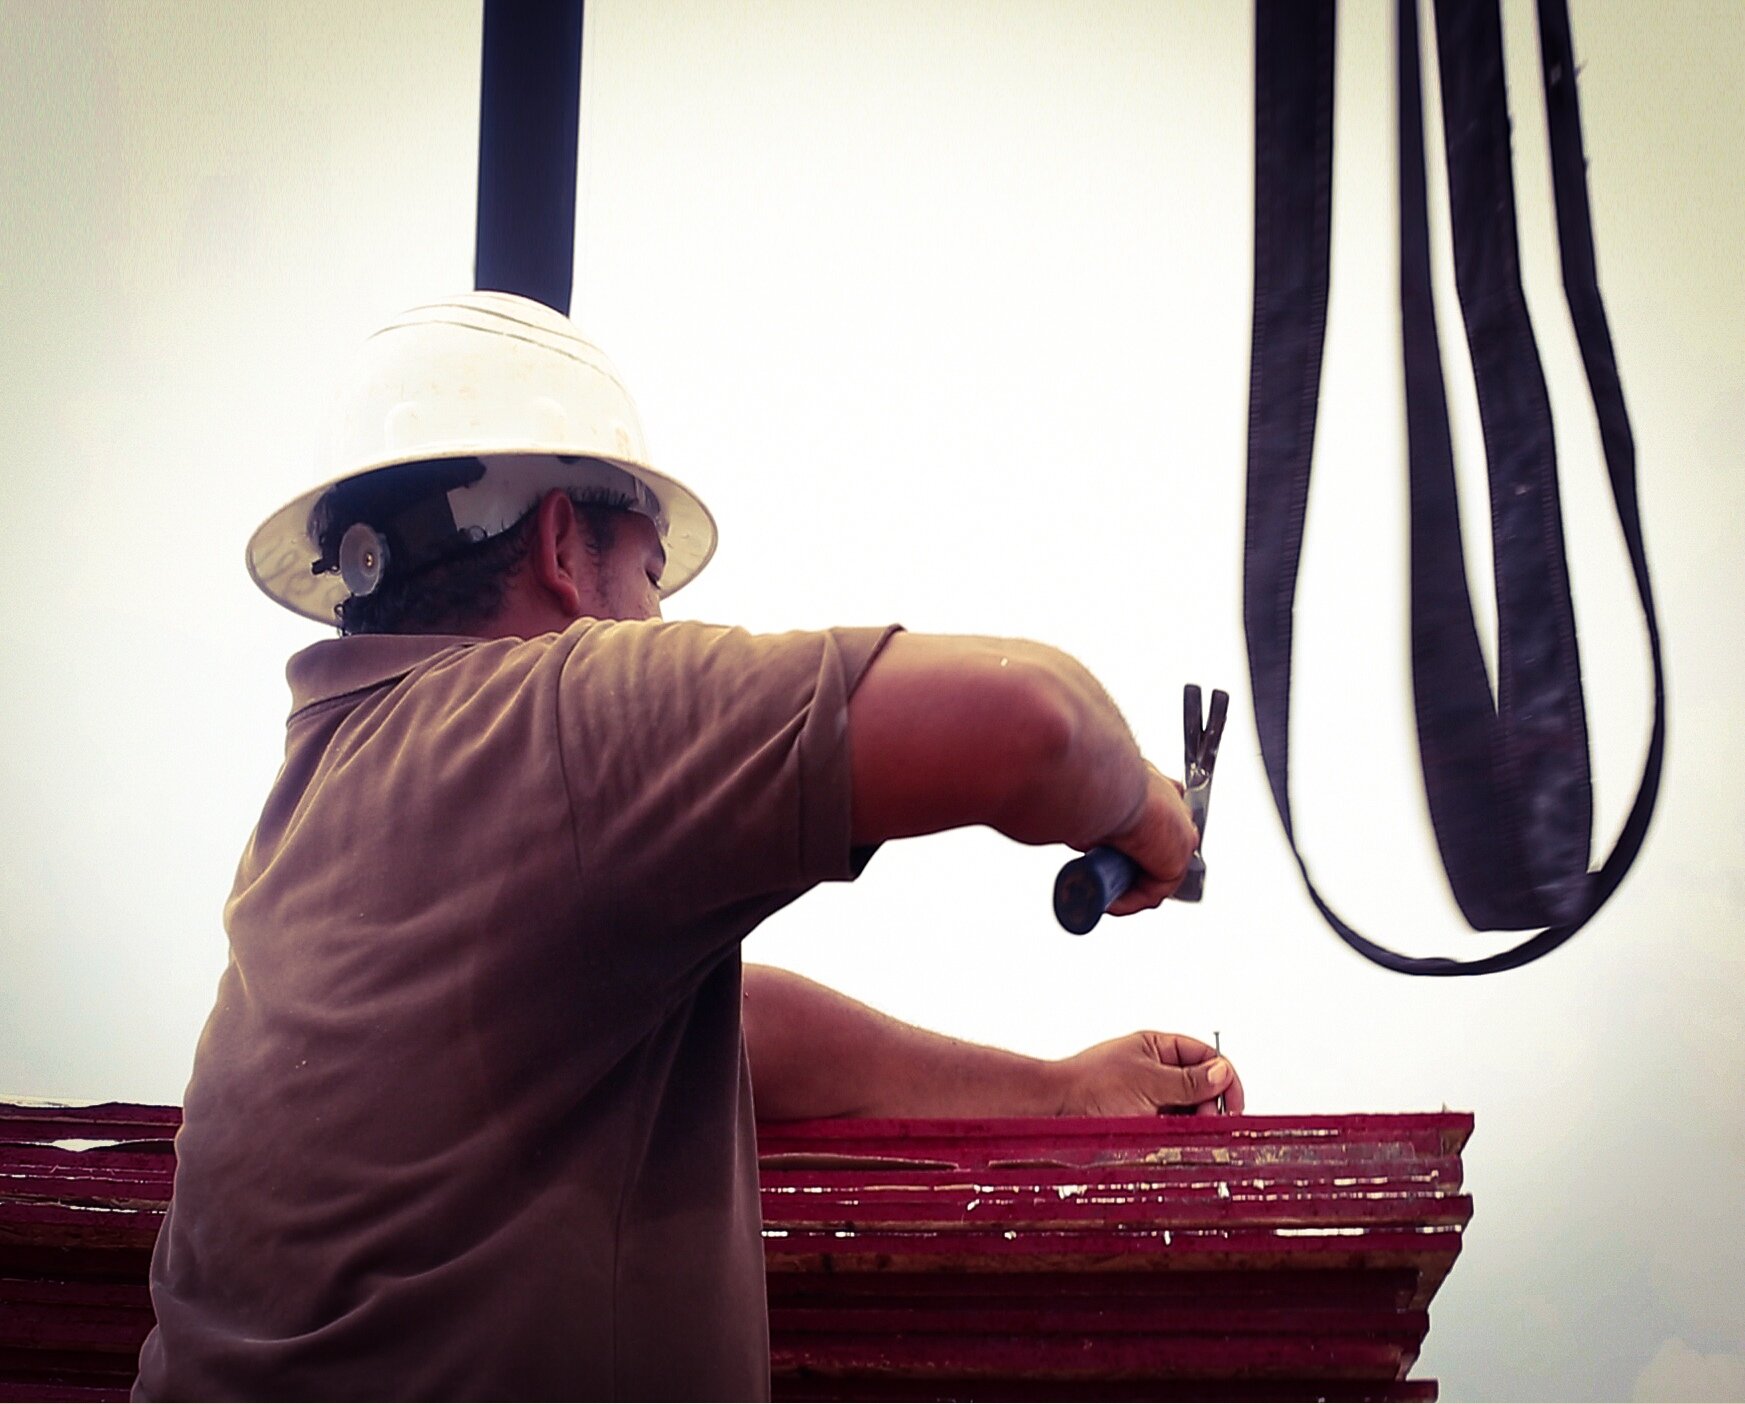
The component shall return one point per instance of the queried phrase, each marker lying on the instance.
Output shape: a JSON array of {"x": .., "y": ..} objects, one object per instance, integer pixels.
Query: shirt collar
[{"x": 335, "y": 667}]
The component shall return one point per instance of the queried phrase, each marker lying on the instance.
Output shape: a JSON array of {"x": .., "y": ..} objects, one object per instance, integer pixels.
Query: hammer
[{"x": 1088, "y": 886}]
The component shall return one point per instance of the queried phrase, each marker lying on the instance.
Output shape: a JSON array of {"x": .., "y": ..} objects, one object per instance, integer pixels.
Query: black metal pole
[{"x": 529, "y": 129}]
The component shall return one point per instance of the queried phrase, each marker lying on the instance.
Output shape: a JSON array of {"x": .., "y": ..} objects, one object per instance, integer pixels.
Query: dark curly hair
[{"x": 464, "y": 589}]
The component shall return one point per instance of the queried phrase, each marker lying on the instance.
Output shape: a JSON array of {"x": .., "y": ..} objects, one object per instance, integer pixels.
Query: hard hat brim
[{"x": 282, "y": 550}]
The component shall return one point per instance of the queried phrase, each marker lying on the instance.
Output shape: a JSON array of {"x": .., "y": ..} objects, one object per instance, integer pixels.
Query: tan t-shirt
[{"x": 471, "y": 1117}]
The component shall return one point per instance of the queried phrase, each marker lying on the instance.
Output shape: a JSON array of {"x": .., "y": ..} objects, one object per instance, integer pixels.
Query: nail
[{"x": 1218, "y": 1071}]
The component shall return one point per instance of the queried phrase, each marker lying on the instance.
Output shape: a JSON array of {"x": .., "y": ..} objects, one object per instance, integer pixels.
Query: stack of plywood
[
  {"x": 1176, "y": 1257},
  {"x": 1229, "y": 1258},
  {"x": 82, "y": 1195}
]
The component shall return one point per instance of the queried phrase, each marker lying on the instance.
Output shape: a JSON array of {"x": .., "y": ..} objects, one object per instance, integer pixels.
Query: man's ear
[{"x": 558, "y": 560}]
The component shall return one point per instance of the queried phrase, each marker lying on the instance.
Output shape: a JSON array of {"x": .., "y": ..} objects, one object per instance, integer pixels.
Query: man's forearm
[
  {"x": 1097, "y": 781},
  {"x": 817, "y": 1053},
  {"x": 951, "y": 731}
]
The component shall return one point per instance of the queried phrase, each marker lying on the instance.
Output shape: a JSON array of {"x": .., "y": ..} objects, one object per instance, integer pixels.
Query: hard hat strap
[{"x": 426, "y": 512}]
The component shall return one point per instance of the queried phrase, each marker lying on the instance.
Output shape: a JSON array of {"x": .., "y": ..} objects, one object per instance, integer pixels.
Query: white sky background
[{"x": 944, "y": 310}]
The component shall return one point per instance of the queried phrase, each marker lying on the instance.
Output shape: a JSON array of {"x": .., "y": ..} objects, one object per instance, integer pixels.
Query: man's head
[
  {"x": 497, "y": 401},
  {"x": 574, "y": 554}
]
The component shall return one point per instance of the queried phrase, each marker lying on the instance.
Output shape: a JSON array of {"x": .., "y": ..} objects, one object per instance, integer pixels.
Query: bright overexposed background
[{"x": 943, "y": 307}]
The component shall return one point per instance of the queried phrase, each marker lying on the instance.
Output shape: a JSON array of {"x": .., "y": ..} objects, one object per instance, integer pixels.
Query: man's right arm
[{"x": 946, "y": 732}]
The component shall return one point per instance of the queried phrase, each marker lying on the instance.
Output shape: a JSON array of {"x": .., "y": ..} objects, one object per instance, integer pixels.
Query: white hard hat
[{"x": 488, "y": 400}]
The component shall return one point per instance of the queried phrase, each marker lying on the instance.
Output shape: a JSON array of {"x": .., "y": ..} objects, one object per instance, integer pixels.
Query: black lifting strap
[
  {"x": 1508, "y": 783},
  {"x": 529, "y": 127}
]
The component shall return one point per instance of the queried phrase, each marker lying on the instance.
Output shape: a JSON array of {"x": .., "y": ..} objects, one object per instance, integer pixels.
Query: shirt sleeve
[{"x": 707, "y": 767}]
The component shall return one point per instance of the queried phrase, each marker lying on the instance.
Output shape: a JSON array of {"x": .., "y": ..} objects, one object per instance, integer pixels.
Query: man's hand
[
  {"x": 1161, "y": 838},
  {"x": 1147, "y": 1073}
]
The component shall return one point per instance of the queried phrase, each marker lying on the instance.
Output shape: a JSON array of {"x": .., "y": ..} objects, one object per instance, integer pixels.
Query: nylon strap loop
[{"x": 1508, "y": 783}]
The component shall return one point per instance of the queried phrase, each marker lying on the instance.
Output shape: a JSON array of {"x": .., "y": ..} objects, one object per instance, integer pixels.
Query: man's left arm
[{"x": 817, "y": 1053}]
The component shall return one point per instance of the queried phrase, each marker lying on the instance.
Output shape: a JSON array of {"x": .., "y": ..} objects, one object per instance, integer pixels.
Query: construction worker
[{"x": 472, "y": 1116}]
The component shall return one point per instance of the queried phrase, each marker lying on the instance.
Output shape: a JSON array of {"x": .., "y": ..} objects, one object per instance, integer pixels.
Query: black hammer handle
[{"x": 1088, "y": 886}]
